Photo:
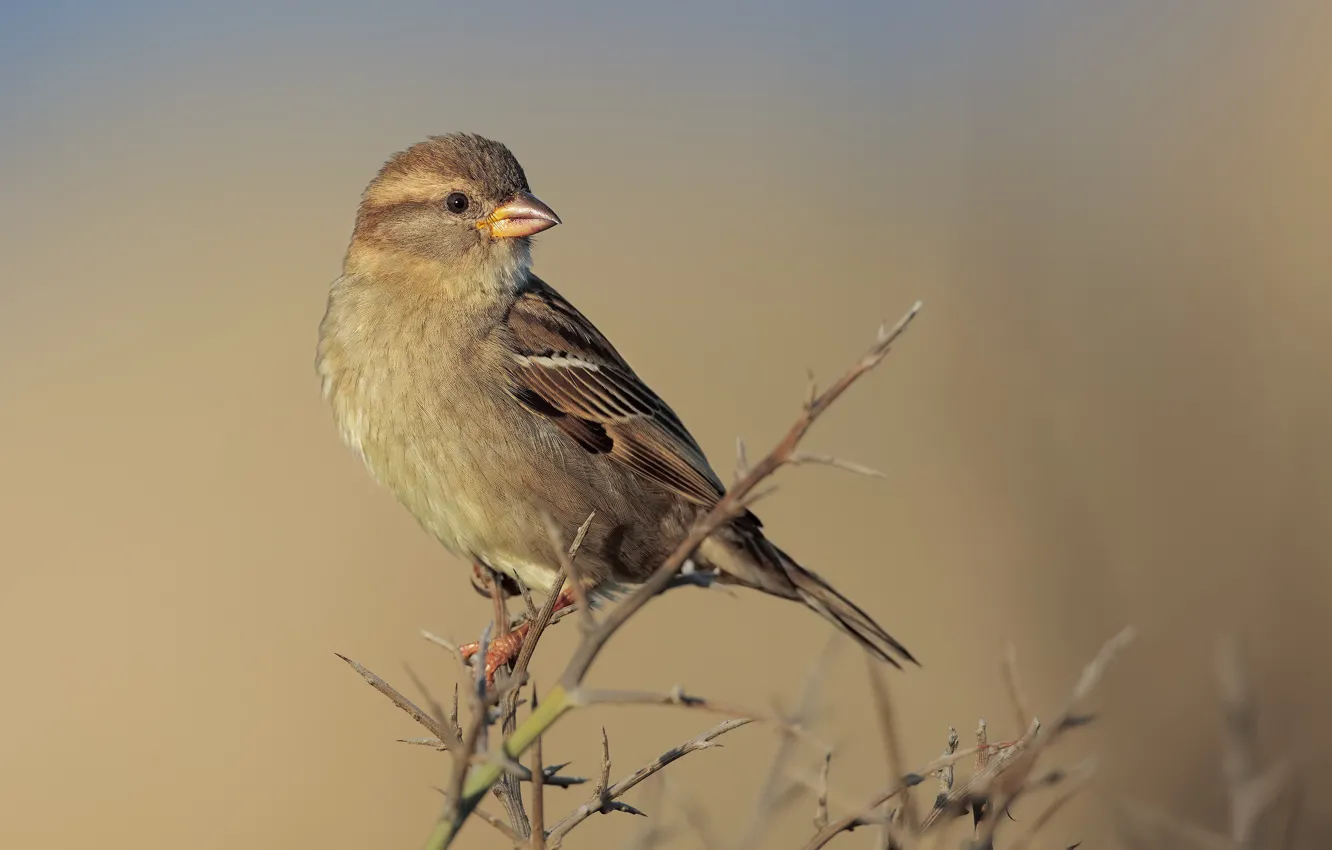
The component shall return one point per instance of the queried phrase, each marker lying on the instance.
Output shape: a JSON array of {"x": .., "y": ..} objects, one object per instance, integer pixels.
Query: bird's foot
[
  {"x": 505, "y": 648},
  {"x": 499, "y": 652}
]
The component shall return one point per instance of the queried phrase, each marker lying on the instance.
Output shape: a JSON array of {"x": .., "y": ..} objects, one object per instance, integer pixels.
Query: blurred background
[{"x": 1114, "y": 409}]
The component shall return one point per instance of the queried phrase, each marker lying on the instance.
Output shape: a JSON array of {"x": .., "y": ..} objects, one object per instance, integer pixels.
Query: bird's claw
[{"x": 499, "y": 652}]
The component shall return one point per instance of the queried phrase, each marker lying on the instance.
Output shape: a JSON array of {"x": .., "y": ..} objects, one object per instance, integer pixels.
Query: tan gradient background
[{"x": 1115, "y": 408}]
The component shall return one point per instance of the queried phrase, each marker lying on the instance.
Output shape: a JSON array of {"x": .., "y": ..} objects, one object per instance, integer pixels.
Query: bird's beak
[{"x": 521, "y": 215}]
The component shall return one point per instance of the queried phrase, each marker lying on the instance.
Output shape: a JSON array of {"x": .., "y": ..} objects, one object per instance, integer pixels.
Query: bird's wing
[{"x": 564, "y": 370}]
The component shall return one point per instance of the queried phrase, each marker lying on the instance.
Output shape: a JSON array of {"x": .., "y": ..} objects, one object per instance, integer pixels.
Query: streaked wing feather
[{"x": 565, "y": 370}]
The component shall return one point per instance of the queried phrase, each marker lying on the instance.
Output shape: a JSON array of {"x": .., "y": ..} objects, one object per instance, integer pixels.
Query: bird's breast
[{"x": 405, "y": 405}]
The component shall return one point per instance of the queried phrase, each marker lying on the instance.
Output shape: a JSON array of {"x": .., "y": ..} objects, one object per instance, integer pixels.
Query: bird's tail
[{"x": 773, "y": 571}]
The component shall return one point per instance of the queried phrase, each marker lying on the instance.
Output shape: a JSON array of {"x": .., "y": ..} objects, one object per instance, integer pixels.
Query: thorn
[
  {"x": 617, "y": 806},
  {"x": 450, "y": 646},
  {"x": 798, "y": 458},
  {"x": 433, "y": 743}
]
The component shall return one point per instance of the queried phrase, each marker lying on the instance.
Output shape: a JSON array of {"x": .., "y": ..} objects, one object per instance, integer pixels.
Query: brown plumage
[{"x": 485, "y": 401}]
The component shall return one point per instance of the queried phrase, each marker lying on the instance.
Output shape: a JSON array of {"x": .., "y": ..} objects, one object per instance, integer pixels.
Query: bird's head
[{"x": 459, "y": 201}]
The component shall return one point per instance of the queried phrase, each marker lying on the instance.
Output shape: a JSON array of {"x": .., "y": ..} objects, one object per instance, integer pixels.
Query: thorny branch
[
  {"x": 538, "y": 822},
  {"x": 1265, "y": 802},
  {"x": 780, "y": 788},
  {"x": 604, "y": 799},
  {"x": 507, "y": 790},
  {"x": 442, "y": 731},
  {"x": 476, "y": 727},
  {"x": 1001, "y": 777}
]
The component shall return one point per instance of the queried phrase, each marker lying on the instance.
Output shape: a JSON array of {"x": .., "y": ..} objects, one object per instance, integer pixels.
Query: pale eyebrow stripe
[{"x": 409, "y": 187}]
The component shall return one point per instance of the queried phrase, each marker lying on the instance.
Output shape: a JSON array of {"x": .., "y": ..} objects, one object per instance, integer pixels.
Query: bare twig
[
  {"x": 454, "y": 725},
  {"x": 651, "y": 833},
  {"x": 1144, "y": 827},
  {"x": 946, "y": 774},
  {"x": 528, "y": 604},
  {"x": 439, "y": 730},
  {"x": 800, "y": 458},
  {"x": 476, "y": 726},
  {"x": 478, "y": 698},
  {"x": 508, "y": 790},
  {"x": 580, "y": 536},
  {"x": 982, "y": 744},
  {"x": 448, "y": 646},
  {"x": 538, "y": 822},
  {"x": 1241, "y": 749},
  {"x": 821, "y": 795},
  {"x": 436, "y": 710},
  {"x": 864, "y": 814},
  {"x": 1001, "y": 776},
  {"x": 603, "y": 784},
  {"x": 600, "y": 802},
  {"x": 1021, "y": 713},
  {"x": 1253, "y": 790},
  {"x": 1076, "y": 782},
  {"x": 547, "y": 615},
  {"x": 695, "y": 816},
  {"x": 552, "y": 777},
  {"x": 1017, "y": 762},
  {"x": 432, "y": 743},
  {"x": 990, "y": 764},
  {"x": 778, "y": 789},
  {"x": 538, "y": 626},
  {"x": 1090, "y": 678},
  {"x": 507, "y": 787},
  {"x": 675, "y": 696},
  {"x": 503, "y": 828},
  {"x": 1241, "y": 721},
  {"x": 892, "y": 743},
  {"x": 569, "y": 566}
]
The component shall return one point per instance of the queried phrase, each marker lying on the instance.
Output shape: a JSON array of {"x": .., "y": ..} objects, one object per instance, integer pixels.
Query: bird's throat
[{"x": 493, "y": 274}]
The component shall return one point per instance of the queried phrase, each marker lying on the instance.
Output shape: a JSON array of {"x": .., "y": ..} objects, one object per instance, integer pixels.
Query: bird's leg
[
  {"x": 501, "y": 614},
  {"x": 504, "y": 648},
  {"x": 484, "y": 580}
]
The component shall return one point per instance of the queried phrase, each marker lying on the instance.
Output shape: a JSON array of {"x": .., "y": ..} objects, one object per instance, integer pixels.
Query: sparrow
[{"x": 489, "y": 405}]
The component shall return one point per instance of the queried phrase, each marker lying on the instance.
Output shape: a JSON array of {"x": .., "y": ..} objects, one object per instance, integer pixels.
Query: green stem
[{"x": 481, "y": 778}]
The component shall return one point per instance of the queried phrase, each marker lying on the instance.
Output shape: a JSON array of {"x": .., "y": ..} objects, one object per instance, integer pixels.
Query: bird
[{"x": 490, "y": 406}]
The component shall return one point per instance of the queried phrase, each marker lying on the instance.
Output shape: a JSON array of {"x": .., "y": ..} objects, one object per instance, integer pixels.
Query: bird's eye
[{"x": 456, "y": 202}]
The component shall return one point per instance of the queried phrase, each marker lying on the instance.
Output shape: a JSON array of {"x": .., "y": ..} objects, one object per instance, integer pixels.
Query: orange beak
[{"x": 521, "y": 215}]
